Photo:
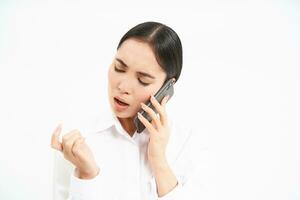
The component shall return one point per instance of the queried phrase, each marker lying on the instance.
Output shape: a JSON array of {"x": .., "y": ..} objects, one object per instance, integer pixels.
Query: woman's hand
[
  {"x": 159, "y": 136},
  {"x": 159, "y": 130},
  {"x": 76, "y": 151}
]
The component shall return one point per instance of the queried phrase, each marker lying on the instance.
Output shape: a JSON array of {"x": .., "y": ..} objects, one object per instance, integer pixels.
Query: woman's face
[{"x": 133, "y": 77}]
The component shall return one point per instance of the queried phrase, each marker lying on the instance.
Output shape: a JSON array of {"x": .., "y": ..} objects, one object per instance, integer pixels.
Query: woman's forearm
[{"x": 165, "y": 179}]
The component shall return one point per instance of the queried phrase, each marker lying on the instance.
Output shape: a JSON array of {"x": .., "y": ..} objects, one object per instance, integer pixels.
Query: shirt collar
[{"x": 108, "y": 120}]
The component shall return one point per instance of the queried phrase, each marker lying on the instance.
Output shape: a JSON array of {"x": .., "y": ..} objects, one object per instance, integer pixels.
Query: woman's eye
[
  {"x": 143, "y": 83},
  {"x": 118, "y": 70}
]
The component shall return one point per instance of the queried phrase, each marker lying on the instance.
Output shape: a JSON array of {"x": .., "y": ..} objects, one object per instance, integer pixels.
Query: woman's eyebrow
[
  {"x": 145, "y": 74},
  {"x": 121, "y": 61},
  {"x": 126, "y": 66}
]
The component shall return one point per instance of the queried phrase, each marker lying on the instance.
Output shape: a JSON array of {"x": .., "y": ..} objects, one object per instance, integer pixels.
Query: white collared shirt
[{"x": 125, "y": 173}]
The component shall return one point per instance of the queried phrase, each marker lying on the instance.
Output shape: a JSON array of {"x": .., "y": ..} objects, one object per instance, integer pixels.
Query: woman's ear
[{"x": 174, "y": 80}]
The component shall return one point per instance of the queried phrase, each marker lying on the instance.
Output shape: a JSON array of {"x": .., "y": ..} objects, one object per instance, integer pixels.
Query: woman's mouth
[{"x": 120, "y": 105}]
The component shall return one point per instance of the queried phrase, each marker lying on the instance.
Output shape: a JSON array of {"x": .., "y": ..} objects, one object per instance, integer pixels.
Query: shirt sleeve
[
  {"x": 190, "y": 169},
  {"x": 61, "y": 177},
  {"x": 87, "y": 189}
]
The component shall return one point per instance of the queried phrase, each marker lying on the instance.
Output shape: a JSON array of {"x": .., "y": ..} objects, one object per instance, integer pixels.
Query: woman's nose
[{"x": 124, "y": 86}]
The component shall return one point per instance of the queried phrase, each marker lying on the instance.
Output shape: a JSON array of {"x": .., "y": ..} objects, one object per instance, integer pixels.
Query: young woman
[{"x": 116, "y": 162}]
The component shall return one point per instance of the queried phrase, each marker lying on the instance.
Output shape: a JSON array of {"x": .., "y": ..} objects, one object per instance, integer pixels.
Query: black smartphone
[{"x": 165, "y": 90}]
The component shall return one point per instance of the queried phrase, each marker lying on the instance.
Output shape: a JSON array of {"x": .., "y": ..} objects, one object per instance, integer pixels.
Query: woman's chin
[{"x": 124, "y": 114}]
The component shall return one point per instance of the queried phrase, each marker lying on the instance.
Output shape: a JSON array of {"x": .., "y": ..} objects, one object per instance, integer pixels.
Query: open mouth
[{"x": 121, "y": 102}]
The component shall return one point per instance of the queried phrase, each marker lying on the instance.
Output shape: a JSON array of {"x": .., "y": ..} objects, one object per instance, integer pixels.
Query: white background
[{"x": 240, "y": 83}]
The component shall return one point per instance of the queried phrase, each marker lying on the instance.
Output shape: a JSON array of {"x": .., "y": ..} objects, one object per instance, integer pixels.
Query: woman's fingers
[
  {"x": 76, "y": 151},
  {"x": 77, "y": 147},
  {"x": 164, "y": 118},
  {"x": 153, "y": 115},
  {"x": 55, "y": 144},
  {"x": 164, "y": 101},
  {"x": 160, "y": 108},
  {"x": 68, "y": 142},
  {"x": 146, "y": 123}
]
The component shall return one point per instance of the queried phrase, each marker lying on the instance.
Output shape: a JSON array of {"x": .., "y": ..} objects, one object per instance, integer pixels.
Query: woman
[{"x": 116, "y": 162}]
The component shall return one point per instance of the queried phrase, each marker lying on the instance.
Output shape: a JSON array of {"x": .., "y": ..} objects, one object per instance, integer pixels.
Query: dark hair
[{"x": 165, "y": 43}]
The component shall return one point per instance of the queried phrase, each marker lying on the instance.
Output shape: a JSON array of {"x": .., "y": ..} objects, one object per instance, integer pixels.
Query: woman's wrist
[
  {"x": 164, "y": 177},
  {"x": 87, "y": 175},
  {"x": 159, "y": 164}
]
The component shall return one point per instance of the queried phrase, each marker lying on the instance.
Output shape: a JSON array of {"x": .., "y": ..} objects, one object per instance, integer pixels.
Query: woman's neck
[{"x": 128, "y": 125}]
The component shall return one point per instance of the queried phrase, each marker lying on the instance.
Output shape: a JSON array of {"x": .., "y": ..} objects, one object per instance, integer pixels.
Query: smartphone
[{"x": 165, "y": 90}]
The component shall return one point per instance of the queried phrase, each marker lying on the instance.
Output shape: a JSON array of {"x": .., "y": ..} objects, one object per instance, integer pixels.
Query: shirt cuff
[
  {"x": 86, "y": 188},
  {"x": 172, "y": 195}
]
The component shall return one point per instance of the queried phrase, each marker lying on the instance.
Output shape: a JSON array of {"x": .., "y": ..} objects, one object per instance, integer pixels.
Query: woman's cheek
[
  {"x": 145, "y": 97},
  {"x": 114, "y": 79},
  {"x": 140, "y": 97},
  {"x": 110, "y": 76}
]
